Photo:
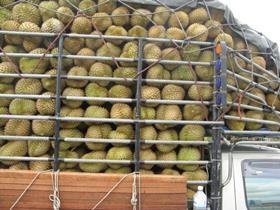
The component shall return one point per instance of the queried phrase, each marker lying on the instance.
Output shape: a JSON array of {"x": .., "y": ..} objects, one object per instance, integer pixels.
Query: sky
[{"x": 263, "y": 16}]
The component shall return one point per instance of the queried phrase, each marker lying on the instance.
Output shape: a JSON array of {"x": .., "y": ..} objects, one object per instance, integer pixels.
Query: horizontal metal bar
[
  {"x": 198, "y": 182},
  {"x": 26, "y": 96},
  {"x": 27, "y": 138},
  {"x": 255, "y": 133},
  {"x": 17, "y": 158},
  {"x": 92, "y": 36},
  {"x": 257, "y": 143},
  {"x": 113, "y": 79},
  {"x": 76, "y": 160},
  {"x": 245, "y": 106},
  {"x": 163, "y": 162},
  {"x": 245, "y": 119}
]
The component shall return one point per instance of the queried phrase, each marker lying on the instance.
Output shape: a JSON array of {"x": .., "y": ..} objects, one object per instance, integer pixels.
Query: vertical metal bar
[
  {"x": 138, "y": 105},
  {"x": 215, "y": 195},
  {"x": 58, "y": 103}
]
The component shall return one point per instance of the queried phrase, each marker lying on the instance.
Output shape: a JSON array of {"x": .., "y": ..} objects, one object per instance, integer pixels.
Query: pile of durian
[{"x": 115, "y": 18}]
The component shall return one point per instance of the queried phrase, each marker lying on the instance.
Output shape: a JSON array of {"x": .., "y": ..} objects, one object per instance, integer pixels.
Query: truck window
[{"x": 262, "y": 184}]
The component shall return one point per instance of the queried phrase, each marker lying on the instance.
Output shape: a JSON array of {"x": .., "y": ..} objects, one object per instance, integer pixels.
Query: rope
[
  {"x": 134, "y": 191},
  {"x": 55, "y": 196}
]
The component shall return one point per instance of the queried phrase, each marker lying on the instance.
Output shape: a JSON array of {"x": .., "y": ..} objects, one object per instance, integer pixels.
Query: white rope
[
  {"x": 27, "y": 188},
  {"x": 55, "y": 196},
  {"x": 134, "y": 200}
]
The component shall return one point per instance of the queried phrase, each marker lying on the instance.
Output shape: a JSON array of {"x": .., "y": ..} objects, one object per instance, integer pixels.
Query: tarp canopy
[{"x": 263, "y": 43}]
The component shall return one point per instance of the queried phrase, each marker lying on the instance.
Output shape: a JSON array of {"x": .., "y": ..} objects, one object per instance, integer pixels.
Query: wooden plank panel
[{"x": 81, "y": 191}]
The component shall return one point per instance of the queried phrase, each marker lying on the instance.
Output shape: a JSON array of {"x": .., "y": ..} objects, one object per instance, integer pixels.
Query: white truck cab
[{"x": 251, "y": 178}]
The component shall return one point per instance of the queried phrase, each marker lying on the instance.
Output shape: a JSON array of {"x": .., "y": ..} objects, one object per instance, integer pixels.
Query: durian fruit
[
  {"x": 200, "y": 92},
  {"x": 205, "y": 73},
  {"x": 77, "y": 71},
  {"x": 94, "y": 44},
  {"x": 19, "y": 166},
  {"x": 46, "y": 106},
  {"x": 172, "y": 92},
  {"x": 8, "y": 68},
  {"x": 258, "y": 60},
  {"x": 152, "y": 51},
  {"x": 117, "y": 135},
  {"x": 67, "y": 63},
  {"x": 137, "y": 31},
  {"x": 101, "y": 70},
  {"x": 101, "y": 21},
  {"x": 121, "y": 111},
  {"x": 20, "y": 106},
  {"x": 98, "y": 132},
  {"x": 2, "y": 142},
  {"x": 198, "y": 15},
  {"x": 87, "y": 7},
  {"x": 150, "y": 92},
  {"x": 73, "y": 45},
  {"x": 109, "y": 50},
  {"x": 3, "y": 110},
  {"x": 226, "y": 38},
  {"x": 272, "y": 117},
  {"x": 175, "y": 33},
  {"x": 192, "y": 133},
  {"x": 184, "y": 72},
  {"x": 161, "y": 15},
  {"x": 16, "y": 127},
  {"x": 48, "y": 9},
  {"x": 85, "y": 63},
  {"x": 146, "y": 113},
  {"x": 68, "y": 154},
  {"x": 236, "y": 124},
  {"x": 41, "y": 165},
  {"x": 34, "y": 65},
  {"x": 96, "y": 112},
  {"x": 179, "y": 19},
  {"x": 125, "y": 73},
  {"x": 73, "y": 92},
  {"x": 66, "y": 111},
  {"x": 214, "y": 28},
  {"x": 254, "y": 115},
  {"x": 52, "y": 25},
  {"x": 81, "y": 25},
  {"x": 119, "y": 153},
  {"x": 69, "y": 133},
  {"x": 12, "y": 49},
  {"x": 69, "y": 3},
  {"x": 197, "y": 32},
  {"x": 25, "y": 12},
  {"x": 106, "y": 6},
  {"x": 50, "y": 83},
  {"x": 11, "y": 25},
  {"x": 120, "y": 16},
  {"x": 143, "y": 171},
  {"x": 116, "y": 31},
  {"x": 171, "y": 54},
  {"x": 268, "y": 81},
  {"x": 120, "y": 91},
  {"x": 127, "y": 129},
  {"x": 239, "y": 43},
  {"x": 188, "y": 154},
  {"x": 6, "y": 89},
  {"x": 197, "y": 175},
  {"x": 157, "y": 72},
  {"x": 122, "y": 170},
  {"x": 30, "y": 42},
  {"x": 140, "y": 17},
  {"x": 167, "y": 135},
  {"x": 147, "y": 133},
  {"x": 190, "y": 193},
  {"x": 169, "y": 171},
  {"x": 195, "y": 112},
  {"x": 94, "y": 167},
  {"x": 130, "y": 50},
  {"x": 234, "y": 63},
  {"x": 65, "y": 14},
  {"x": 13, "y": 149},
  {"x": 28, "y": 86},
  {"x": 258, "y": 93},
  {"x": 95, "y": 90},
  {"x": 43, "y": 127},
  {"x": 37, "y": 148},
  {"x": 157, "y": 31},
  {"x": 166, "y": 156},
  {"x": 243, "y": 84},
  {"x": 5, "y": 15},
  {"x": 273, "y": 101},
  {"x": 190, "y": 52},
  {"x": 147, "y": 154}
]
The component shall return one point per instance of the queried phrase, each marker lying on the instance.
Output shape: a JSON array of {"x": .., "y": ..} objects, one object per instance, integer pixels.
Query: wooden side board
[{"x": 82, "y": 191}]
